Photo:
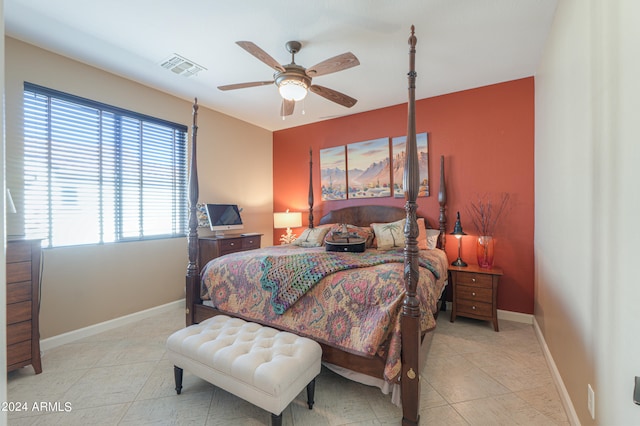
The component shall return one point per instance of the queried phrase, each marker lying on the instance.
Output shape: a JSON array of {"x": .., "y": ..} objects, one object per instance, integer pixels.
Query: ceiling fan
[{"x": 294, "y": 81}]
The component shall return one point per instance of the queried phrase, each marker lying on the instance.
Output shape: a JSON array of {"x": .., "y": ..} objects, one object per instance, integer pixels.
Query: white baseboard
[
  {"x": 515, "y": 316},
  {"x": 71, "y": 336},
  {"x": 507, "y": 315},
  {"x": 562, "y": 390}
]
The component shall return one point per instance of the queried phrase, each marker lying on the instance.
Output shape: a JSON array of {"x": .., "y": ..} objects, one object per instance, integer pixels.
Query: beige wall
[
  {"x": 3, "y": 275},
  {"x": 587, "y": 204},
  {"x": 87, "y": 285}
]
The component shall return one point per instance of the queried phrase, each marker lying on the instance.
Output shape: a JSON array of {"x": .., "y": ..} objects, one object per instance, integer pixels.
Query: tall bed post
[
  {"x": 310, "y": 188},
  {"x": 442, "y": 200},
  {"x": 410, "y": 319},
  {"x": 193, "y": 276}
]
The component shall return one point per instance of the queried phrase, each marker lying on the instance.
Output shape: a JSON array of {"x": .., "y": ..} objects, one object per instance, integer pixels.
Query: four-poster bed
[{"x": 418, "y": 279}]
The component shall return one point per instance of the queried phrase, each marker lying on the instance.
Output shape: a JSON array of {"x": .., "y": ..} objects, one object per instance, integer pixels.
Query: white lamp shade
[{"x": 287, "y": 220}]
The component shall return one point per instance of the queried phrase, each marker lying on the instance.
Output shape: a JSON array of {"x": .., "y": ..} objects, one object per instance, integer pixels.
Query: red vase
[{"x": 484, "y": 250}]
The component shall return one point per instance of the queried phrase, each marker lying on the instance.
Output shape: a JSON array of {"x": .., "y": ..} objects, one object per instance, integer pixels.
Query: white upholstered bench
[{"x": 261, "y": 365}]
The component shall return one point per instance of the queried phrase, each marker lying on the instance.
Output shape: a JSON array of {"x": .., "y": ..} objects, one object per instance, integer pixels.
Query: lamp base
[
  {"x": 287, "y": 238},
  {"x": 459, "y": 262}
]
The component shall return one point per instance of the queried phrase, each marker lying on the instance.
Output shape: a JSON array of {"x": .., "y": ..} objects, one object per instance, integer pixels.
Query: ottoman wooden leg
[
  {"x": 177, "y": 374},
  {"x": 276, "y": 420},
  {"x": 311, "y": 391}
]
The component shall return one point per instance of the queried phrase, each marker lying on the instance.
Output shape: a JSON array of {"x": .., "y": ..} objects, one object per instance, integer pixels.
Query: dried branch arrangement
[{"x": 487, "y": 210}]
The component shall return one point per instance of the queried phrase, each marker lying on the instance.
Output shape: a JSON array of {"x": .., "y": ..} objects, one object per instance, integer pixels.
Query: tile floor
[{"x": 473, "y": 376}]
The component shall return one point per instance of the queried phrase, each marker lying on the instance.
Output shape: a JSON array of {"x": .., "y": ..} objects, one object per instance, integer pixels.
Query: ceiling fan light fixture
[{"x": 293, "y": 89}]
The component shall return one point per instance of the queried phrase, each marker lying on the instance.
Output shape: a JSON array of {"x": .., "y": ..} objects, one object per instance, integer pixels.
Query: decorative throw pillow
[
  {"x": 364, "y": 232},
  {"x": 312, "y": 237},
  {"x": 432, "y": 238},
  {"x": 422, "y": 234},
  {"x": 389, "y": 235}
]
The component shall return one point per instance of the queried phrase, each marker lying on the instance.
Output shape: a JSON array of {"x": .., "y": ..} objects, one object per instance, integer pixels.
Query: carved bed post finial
[
  {"x": 192, "y": 277},
  {"x": 310, "y": 200},
  {"x": 410, "y": 319}
]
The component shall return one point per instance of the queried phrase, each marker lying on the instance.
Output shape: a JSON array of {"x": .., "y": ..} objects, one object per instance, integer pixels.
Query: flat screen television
[{"x": 224, "y": 217}]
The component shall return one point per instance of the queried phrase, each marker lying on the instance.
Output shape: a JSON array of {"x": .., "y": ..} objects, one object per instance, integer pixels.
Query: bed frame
[{"x": 412, "y": 339}]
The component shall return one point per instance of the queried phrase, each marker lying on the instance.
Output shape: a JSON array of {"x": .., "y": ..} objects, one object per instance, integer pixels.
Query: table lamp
[
  {"x": 458, "y": 233},
  {"x": 287, "y": 220}
]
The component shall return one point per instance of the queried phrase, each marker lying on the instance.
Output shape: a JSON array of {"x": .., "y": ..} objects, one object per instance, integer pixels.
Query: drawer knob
[
  {"x": 473, "y": 294},
  {"x": 232, "y": 244},
  {"x": 473, "y": 307},
  {"x": 473, "y": 280},
  {"x": 250, "y": 241}
]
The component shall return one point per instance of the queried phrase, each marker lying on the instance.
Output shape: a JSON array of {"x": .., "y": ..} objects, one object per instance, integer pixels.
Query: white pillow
[
  {"x": 432, "y": 238},
  {"x": 389, "y": 235},
  {"x": 312, "y": 237}
]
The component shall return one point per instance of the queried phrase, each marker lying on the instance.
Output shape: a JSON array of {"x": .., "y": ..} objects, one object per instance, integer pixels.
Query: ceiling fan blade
[
  {"x": 337, "y": 63},
  {"x": 287, "y": 107},
  {"x": 260, "y": 54},
  {"x": 334, "y": 96},
  {"x": 243, "y": 85}
]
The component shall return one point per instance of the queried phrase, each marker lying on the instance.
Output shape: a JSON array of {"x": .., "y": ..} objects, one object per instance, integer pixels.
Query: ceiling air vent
[{"x": 181, "y": 66}]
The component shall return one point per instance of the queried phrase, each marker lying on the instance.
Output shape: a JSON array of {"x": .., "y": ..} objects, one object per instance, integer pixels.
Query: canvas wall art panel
[
  {"x": 369, "y": 171},
  {"x": 333, "y": 173},
  {"x": 398, "y": 148}
]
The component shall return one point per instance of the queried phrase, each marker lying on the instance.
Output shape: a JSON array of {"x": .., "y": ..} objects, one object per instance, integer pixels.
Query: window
[{"x": 94, "y": 173}]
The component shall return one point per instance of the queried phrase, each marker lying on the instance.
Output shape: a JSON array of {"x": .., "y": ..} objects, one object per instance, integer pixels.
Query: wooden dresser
[
  {"x": 23, "y": 304},
  {"x": 212, "y": 247},
  {"x": 475, "y": 293}
]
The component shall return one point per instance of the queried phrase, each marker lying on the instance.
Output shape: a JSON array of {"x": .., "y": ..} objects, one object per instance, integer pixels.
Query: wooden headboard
[{"x": 364, "y": 215}]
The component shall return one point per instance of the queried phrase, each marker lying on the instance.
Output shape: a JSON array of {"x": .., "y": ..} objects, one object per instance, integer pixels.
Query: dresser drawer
[
  {"x": 19, "y": 251},
  {"x": 18, "y": 312},
  {"x": 470, "y": 307},
  {"x": 478, "y": 294},
  {"x": 18, "y": 292},
  {"x": 249, "y": 243},
  {"x": 230, "y": 245},
  {"x": 475, "y": 280},
  {"x": 20, "y": 352},
  {"x": 19, "y": 271},
  {"x": 18, "y": 332}
]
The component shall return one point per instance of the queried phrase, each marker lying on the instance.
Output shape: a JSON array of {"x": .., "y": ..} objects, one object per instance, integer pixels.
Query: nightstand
[{"x": 475, "y": 293}]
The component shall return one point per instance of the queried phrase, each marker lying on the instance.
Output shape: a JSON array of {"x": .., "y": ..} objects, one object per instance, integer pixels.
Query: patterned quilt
[
  {"x": 356, "y": 310},
  {"x": 288, "y": 278}
]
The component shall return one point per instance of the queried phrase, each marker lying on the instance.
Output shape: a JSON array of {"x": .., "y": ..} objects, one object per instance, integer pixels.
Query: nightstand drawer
[
  {"x": 19, "y": 271},
  {"x": 249, "y": 243},
  {"x": 480, "y": 309},
  {"x": 475, "y": 280},
  {"x": 18, "y": 332},
  {"x": 477, "y": 294},
  {"x": 18, "y": 312}
]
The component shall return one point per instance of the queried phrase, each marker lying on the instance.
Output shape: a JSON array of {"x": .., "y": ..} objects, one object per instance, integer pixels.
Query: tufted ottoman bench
[{"x": 261, "y": 365}]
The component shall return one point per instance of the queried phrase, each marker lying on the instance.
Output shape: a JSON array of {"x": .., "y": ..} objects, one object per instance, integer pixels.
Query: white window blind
[{"x": 95, "y": 173}]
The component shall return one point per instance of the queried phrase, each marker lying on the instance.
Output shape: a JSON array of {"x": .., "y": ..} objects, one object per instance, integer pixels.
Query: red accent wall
[{"x": 487, "y": 138}]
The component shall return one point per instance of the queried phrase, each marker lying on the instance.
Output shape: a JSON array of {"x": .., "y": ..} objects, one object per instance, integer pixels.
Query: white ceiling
[{"x": 462, "y": 44}]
